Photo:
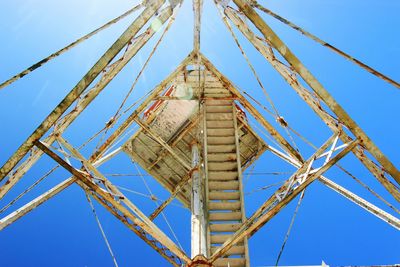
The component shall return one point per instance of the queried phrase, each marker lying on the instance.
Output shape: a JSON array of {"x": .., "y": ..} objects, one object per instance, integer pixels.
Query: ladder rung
[
  {"x": 217, "y": 102},
  {"x": 222, "y": 176},
  {"x": 219, "y": 239},
  {"x": 220, "y": 117},
  {"x": 221, "y": 132},
  {"x": 222, "y": 166},
  {"x": 221, "y": 148},
  {"x": 218, "y": 109},
  {"x": 226, "y": 227},
  {"x": 235, "y": 250},
  {"x": 218, "y": 95},
  {"x": 221, "y": 195},
  {"x": 222, "y": 157},
  {"x": 225, "y": 185},
  {"x": 220, "y": 140},
  {"x": 231, "y": 262},
  {"x": 219, "y": 124},
  {"x": 226, "y": 216}
]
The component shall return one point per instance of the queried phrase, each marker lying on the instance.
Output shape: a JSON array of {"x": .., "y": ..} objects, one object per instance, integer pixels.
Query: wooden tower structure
[{"x": 194, "y": 137}]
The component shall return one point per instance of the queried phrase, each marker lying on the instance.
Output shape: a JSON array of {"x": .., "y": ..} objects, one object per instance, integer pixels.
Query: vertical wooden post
[{"x": 198, "y": 225}]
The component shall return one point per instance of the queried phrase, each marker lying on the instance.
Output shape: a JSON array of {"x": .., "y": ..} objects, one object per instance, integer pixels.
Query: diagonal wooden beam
[
  {"x": 274, "y": 205},
  {"x": 325, "y": 44},
  {"x": 253, "y": 111},
  {"x": 81, "y": 86},
  {"x": 33, "y": 204},
  {"x": 130, "y": 120},
  {"x": 14, "y": 216},
  {"x": 182, "y": 183},
  {"x": 106, "y": 182},
  {"x": 381, "y": 214},
  {"x": 64, "y": 123},
  {"x": 164, "y": 144},
  {"x": 317, "y": 87},
  {"x": 308, "y": 98},
  {"x": 143, "y": 227},
  {"x": 67, "y": 48}
]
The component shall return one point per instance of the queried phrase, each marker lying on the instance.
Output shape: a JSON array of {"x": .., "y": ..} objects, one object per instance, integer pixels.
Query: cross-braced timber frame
[{"x": 244, "y": 17}]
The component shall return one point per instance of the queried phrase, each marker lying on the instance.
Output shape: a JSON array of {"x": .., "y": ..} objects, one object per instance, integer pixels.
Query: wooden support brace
[
  {"x": 142, "y": 227},
  {"x": 85, "y": 101},
  {"x": 164, "y": 144},
  {"x": 128, "y": 122},
  {"x": 317, "y": 87},
  {"x": 381, "y": 214},
  {"x": 253, "y": 111},
  {"x": 272, "y": 206},
  {"x": 182, "y": 183},
  {"x": 308, "y": 98}
]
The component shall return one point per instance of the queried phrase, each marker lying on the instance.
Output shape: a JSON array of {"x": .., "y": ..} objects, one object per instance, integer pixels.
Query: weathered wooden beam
[
  {"x": 253, "y": 111},
  {"x": 381, "y": 214},
  {"x": 30, "y": 206},
  {"x": 197, "y": 10},
  {"x": 128, "y": 122},
  {"x": 73, "y": 95},
  {"x": 317, "y": 87},
  {"x": 273, "y": 205},
  {"x": 85, "y": 101},
  {"x": 198, "y": 216},
  {"x": 175, "y": 140},
  {"x": 182, "y": 183},
  {"x": 107, "y": 183},
  {"x": 309, "y": 98},
  {"x": 164, "y": 144},
  {"x": 325, "y": 44},
  {"x": 240, "y": 178},
  {"x": 106, "y": 199},
  {"x": 68, "y": 47},
  {"x": 12, "y": 217}
]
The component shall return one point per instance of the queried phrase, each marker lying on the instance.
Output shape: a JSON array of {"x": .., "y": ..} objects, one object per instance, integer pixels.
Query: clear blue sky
[{"x": 63, "y": 232}]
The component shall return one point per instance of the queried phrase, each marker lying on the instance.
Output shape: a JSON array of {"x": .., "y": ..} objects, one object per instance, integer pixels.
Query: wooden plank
[
  {"x": 221, "y": 195},
  {"x": 225, "y": 216},
  {"x": 223, "y": 175},
  {"x": 224, "y": 205},
  {"x": 222, "y": 157},
  {"x": 219, "y": 239},
  {"x": 232, "y": 262},
  {"x": 224, "y": 227},
  {"x": 235, "y": 250},
  {"x": 220, "y": 140},
  {"x": 218, "y": 166},
  {"x": 12, "y": 217}
]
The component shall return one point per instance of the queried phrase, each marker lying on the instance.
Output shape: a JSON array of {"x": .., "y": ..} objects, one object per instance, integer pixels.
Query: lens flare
[
  {"x": 183, "y": 91},
  {"x": 156, "y": 24}
]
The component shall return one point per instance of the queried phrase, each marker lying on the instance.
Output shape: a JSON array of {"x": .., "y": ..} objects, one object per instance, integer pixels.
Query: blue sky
[{"x": 63, "y": 231}]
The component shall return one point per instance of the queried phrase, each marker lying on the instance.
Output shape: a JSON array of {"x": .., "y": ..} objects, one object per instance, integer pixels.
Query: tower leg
[{"x": 199, "y": 244}]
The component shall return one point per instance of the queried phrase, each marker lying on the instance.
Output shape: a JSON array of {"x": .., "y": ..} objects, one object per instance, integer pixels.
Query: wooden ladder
[{"x": 225, "y": 205}]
